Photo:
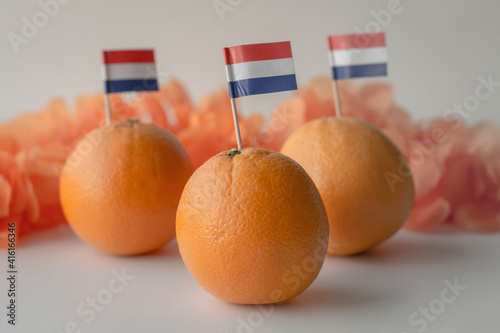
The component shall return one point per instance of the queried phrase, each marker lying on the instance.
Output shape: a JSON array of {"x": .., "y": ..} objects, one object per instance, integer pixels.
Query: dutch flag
[
  {"x": 358, "y": 55},
  {"x": 129, "y": 70},
  {"x": 259, "y": 69}
]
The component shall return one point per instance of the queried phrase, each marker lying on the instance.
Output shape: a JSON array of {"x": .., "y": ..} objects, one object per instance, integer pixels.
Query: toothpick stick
[
  {"x": 236, "y": 123},
  {"x": 108, "y": 109},
  {"x": 336, "y": 99}
]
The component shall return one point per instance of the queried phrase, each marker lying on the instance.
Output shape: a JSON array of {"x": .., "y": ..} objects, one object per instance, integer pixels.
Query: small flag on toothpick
[
  {"x": 128, "y": 70},
  {"x": 353, "y": 56},
  {"x": 258, "y": 69},
  {"x": 356, "y": 56}
]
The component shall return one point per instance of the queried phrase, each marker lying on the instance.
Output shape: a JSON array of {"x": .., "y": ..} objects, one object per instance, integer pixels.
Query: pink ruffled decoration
[
  {"x": 458, "y": 179},
  {"x": 456, "y": 168}
]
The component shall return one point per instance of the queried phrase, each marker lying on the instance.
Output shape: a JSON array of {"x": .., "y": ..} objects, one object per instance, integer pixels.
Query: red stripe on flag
[
  {"x": 127, "y": 56},
  {"x": 356, "y": 41},
  {"x": 257, "y": 52}
]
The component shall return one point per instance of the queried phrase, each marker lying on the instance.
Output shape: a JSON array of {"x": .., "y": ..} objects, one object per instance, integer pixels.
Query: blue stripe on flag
[
  {"x": 130, "y": 85},
  {"x": 262, "y": 85},
  {"x": 347, "y": 72}
]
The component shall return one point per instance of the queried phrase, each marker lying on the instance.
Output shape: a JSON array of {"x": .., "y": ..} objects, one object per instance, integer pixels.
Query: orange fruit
[
  {"x": 251, "y": 227},
  {"x": 363, "y": 179},
  {"x": 121, "y": 185}
]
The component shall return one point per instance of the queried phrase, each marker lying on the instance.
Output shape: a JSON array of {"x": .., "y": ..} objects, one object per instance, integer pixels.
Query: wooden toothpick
[
  {"x": 336, "y": 98},
  {"x": 107, "y": 109},
  {"x": 236, "y": 123}
]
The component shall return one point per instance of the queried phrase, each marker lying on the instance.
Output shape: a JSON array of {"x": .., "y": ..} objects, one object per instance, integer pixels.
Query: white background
[{"x": 437, "y": 50}]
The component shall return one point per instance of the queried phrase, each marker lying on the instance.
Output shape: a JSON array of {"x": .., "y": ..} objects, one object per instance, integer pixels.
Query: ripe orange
[
  {"x": 354, "y": 166},
  {"x": 121, "y": 185},
  {"x": 251, "y": 227}
]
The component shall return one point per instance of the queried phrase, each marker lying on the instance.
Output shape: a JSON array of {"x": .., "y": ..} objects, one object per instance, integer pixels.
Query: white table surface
[{"x": 374, "y": 292}]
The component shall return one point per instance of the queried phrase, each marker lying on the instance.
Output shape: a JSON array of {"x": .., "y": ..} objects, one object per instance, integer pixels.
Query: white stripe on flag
[
  {"x": 361, "y": 56},
  {"x": 129, "y": 71},
  {"x": 263, "y": 68}
]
